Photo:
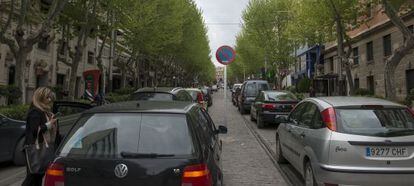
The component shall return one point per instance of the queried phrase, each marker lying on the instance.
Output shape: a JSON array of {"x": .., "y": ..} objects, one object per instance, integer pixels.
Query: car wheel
[
  {"x": 279, "y": 155},
  {"x": 242, "y": 111},
  {"x": 260, "y": 123},
  {"x": 19, "y": 157},
  {"x": 309, "y": 176}
]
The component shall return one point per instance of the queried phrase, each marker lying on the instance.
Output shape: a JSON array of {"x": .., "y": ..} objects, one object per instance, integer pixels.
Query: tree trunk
[
  {"x": 74, "y": 73},
  {"x": 20, "y": 73}
]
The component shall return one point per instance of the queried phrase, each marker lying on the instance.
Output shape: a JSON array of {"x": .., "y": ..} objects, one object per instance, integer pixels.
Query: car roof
[
  {"x": 144, "y": 106},
  {"x": 156, "y": 89},
  {"x": 259, "y": 81},
  {"x": 344, "y": 101},
  {"x": 193, "y": 89}
]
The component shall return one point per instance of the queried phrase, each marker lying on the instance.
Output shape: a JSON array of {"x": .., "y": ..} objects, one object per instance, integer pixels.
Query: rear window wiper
[
  {"x": 394, "y": 132},
  {"x": 144, "y": 155}
]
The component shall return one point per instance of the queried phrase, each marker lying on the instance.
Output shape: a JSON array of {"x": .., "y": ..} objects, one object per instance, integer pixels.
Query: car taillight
[
  {"x": 55, "y": 175},
  {"x": 329, "y": 118},
  {"x": 200, "y": 98},
  {"x": 268, "y": 106},
  {"x": 196, "y": 175}
]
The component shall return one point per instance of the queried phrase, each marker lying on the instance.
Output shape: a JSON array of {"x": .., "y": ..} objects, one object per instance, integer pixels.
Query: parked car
[
  {"x": 270, "y": 104},
  {"x": 236, "y": 89},
  {"x": 207, "y": 96},
  {"x": 214, "y": 88},
  {"x": 12, "y": 132},
  {"x": 249, "y": 91},
  {"x": 349, "y": 141},
  {"x": 161, "y": 94},
  {"x": 198, "y": 97},
  {"x": 140, "y": 143},
  {"x": 12, "y": 140}
]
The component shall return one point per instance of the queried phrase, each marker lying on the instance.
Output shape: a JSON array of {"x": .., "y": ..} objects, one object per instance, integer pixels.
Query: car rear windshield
[
  {"x": 281, "y": 96},
  {"x": 376, "y": 122},
  {"x": 153, "y": 96},
  {"x": 252, "y": 89},
  {"x": 193, "y": 94},
  {"x": 107, "y": 135}
]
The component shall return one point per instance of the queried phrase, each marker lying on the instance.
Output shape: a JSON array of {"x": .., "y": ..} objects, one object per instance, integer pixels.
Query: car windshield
[
  {"x": 107, "y": 135},
  {"x": 152, "y": 96},
  {"x": 281, "y": 96},
  {"x": 376, "y": 122}
]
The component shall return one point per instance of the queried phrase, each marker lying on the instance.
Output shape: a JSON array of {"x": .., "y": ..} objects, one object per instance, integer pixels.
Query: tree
[
  {"x": 27, "y": 15},
  {"x": 325, "y": 21},
  {"x": 392, "y": 9}
]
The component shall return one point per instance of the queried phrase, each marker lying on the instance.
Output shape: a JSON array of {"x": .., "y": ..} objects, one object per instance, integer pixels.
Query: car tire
[
  {"x": 279, "y": 155},
  {"x": 19, "y": 156},
  {"x": 309, "y": 176},
  {"x": 259, "y": 121},
  {"x": 242, "y": 111}
]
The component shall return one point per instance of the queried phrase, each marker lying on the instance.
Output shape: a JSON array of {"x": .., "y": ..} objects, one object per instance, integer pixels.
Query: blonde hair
[{"x": 40, "y": 99}]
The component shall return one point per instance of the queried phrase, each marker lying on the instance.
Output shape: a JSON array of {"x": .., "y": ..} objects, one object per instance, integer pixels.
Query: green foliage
[
  {"x": 17, "y": 112},
  {"x": 264, "y": 37},
  {"x": 11, "y": 92},
  {"x": 304, "y": 85},
  {"x": 363, "y": 92}
]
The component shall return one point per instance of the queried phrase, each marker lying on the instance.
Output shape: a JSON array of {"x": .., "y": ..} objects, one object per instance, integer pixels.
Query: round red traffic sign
[{"x": 225, "y": 55}]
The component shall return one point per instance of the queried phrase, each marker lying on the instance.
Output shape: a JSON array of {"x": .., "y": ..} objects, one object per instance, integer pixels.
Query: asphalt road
[{"x": 246, "y": 157}]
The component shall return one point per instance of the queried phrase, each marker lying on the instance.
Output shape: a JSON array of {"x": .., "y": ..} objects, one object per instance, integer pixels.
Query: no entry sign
[{"x": 225, "y": 55}]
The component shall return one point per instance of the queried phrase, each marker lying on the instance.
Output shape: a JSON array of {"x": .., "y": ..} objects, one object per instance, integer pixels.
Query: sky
[{"x": 223, "y": 19}]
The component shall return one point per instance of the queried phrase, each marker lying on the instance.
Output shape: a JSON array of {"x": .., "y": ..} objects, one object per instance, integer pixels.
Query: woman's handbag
[{"x": 38, "y": 156}]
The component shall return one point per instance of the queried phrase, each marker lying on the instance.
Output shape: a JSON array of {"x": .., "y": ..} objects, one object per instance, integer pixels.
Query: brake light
[
  {"x": 268, "y": 106},
  {"x": 200, "y": 98},
  {"x": 55, "y": 175},
  {"x": 196, "y": 175},
  {"x": 329, "y": 118}
]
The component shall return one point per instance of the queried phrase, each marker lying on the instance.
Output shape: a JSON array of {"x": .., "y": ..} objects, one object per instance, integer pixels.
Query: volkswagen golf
[{"x": 140, "y": 143}]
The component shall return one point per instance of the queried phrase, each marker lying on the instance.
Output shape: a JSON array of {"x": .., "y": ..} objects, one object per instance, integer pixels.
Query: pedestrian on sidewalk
[{"x": 41, "y": 126}]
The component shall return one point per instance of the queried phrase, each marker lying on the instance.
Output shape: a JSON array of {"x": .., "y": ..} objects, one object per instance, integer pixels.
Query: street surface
[{"x": 247, "y": 152}]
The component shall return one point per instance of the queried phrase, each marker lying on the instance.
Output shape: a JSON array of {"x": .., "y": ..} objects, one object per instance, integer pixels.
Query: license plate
[{"x": 386, "y": 152}]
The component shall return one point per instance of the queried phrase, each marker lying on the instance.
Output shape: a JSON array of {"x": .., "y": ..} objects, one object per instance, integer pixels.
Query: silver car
[{"x": 349, "y": 141}]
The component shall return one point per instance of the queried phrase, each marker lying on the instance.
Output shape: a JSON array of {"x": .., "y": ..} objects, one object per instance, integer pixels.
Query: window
[
  {"x": 60, "y": 79},
  {"x": 91, "y": 57},
  {"x": 371, "y": 84},
  {"x": 43, "y": 43},
  {"x": 152, "y": 96},
  {"x": 107, "y": 135},
  {"x": 251, "y": 90},
  {"x": 355, "y": 53},
  {"x": 376, "y": 122},
  {"x": 386, "y": 40},
  {"x": 261, "y": 97},
  {"x": 182, "y": 95},
  {"x": 281, "y": 96},
  {"x": 370, "y": 52},
  {"x": 297, "y": 113},
  {"x": 331, "y": 64},
  {"x": 12, "y": 72},
  {"x": 307, "y": 115},
  {"x": 356, "y": 83}
]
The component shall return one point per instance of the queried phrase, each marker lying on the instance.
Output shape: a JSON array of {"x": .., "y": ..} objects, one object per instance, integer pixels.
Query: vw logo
[{"x": 121, "y": 170}]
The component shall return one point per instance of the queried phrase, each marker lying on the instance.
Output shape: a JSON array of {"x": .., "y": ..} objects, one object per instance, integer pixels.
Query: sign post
[{"x": 225, "y": 55}]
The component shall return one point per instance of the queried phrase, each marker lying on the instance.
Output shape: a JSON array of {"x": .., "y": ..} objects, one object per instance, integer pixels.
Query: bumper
[
  {"x": 343, "y": 176},
  {"x": 270, "y": 117}
]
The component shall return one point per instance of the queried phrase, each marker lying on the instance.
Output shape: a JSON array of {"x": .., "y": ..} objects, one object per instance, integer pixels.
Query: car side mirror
[
  {"x": 282, "y": 119},
  {"x": 221, "y": 130}
]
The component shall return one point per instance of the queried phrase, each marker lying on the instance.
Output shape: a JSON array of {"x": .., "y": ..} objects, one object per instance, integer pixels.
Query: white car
[{"x": 214, "y": 88}]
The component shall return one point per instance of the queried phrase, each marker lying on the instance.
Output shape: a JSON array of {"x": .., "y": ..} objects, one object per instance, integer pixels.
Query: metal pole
[{"x": 225, "y": 95}]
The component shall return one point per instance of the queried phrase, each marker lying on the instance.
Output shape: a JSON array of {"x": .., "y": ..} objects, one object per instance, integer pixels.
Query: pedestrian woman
[{"x": 40, "y": 125}]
